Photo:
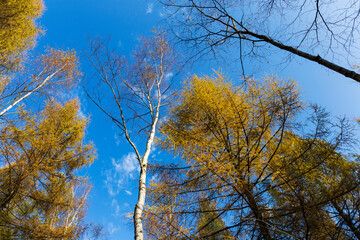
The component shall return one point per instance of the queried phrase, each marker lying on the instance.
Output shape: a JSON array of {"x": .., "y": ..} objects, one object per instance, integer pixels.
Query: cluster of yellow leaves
[
  {"x": 233, "y": 125},
  {"x": 314, "y": 168},
  {"x": 40, "y": 194},
  {"x": 65, "y": 63},
  {"x": 18, "y": 30}
]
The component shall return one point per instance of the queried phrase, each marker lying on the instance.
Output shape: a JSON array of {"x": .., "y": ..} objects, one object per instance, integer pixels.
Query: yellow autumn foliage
[
  {"x": 41, "y": 194},
  {"x": 18, "y": 30},
  {"x": 270, "y": 166}
]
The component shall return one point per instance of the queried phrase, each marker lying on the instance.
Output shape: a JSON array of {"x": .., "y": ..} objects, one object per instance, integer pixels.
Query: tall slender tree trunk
[{"x": 139, "y": 207}]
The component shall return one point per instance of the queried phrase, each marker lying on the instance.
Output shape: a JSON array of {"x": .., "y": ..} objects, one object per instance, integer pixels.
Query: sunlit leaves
[
  {"x": 41, "y": 196},
  {"x": 18, "y": 30},
  {"x": 261, "y": 165}
]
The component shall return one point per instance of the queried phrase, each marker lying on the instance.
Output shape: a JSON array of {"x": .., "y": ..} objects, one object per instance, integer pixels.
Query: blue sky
[{"x": 69, "y": 23}]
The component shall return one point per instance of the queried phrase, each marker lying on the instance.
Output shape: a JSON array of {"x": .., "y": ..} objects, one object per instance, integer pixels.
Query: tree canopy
[
  {"x": 262, "y": 167},
  {"x": 40, "y": 194},
  {"x": 250, "y": 160}
]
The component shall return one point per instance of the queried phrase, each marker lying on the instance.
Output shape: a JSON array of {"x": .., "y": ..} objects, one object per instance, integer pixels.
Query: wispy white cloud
[
  {"x": 112, "y": 228},
  {"x": 112, "y": 182},
  {"x": 129, "y": 164},
  {"x": 169, "y": 75},
  {"x": 150, "y": 8},
  {"x": 117, "y": 139},
  {"x": 116, "y": 207},
  {"x": 122, "y": 170},
  {"x": 128, "y": 192}
]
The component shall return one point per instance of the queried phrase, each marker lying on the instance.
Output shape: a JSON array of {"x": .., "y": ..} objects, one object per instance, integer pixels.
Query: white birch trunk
[
  {"x": 28, "y": 94},
  {"x": 139, "y": 207}
]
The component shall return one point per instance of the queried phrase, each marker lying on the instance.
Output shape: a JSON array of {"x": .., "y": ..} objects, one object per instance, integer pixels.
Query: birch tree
[{"x": 138, "y": 88}]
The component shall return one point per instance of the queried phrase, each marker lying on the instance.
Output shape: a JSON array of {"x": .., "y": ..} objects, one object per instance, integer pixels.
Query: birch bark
[
  {"x": 26, "y": 95},
  {"x": 138, "y": 90}
]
